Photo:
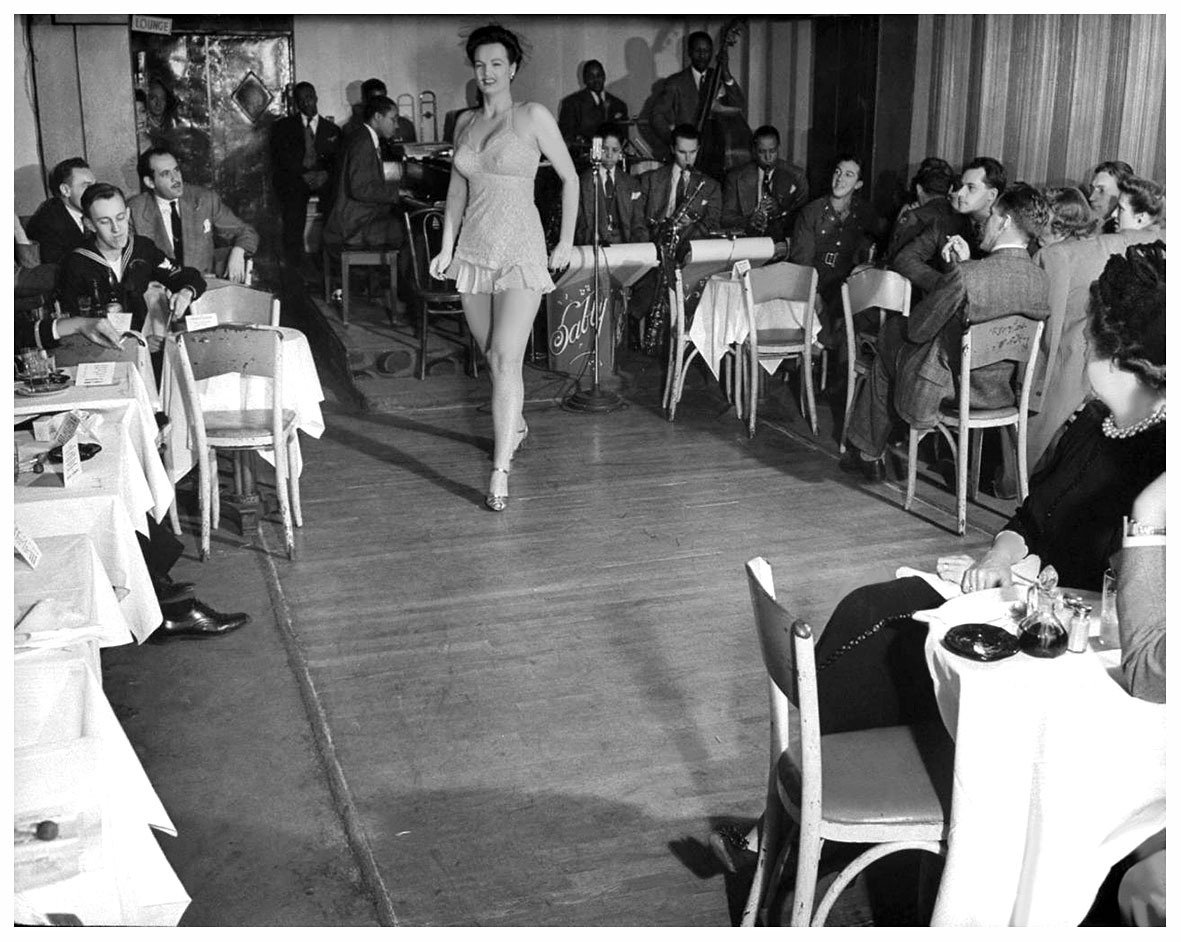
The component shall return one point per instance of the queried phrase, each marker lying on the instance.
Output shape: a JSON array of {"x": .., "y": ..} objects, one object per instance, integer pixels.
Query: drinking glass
[{"x": 1108, "y": 616}]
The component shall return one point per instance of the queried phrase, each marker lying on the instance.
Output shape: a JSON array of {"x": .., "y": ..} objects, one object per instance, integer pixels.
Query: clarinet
[{"x": 669, "y": 235}]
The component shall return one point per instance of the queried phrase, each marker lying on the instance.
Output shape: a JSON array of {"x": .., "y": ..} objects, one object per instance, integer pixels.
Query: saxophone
[{"x": 668, "y": 234}]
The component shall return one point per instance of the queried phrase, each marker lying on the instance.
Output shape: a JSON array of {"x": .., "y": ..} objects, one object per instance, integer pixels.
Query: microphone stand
[{"x": 595, "y": 399}]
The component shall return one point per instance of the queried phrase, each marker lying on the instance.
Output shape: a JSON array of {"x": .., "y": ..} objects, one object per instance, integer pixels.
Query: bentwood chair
[
  {"x": 1014, "y": 338},
  {"x": 768, "y": 340},
  {"x": 238, "y": 304},
  {"x": 889, "y": 787},
  {"x": 681, "y": 350},
  {"x": 873, "y": 289},
  {"x": 434, "y": 299},
  {"x": 253, "y": 351}
]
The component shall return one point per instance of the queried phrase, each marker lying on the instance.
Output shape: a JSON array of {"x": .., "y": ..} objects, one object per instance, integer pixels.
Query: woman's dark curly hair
[
  {"x": 1071, "y": 216},
  {"x": 1128, "y": 312},
  {"x": 495, "y": 33}
]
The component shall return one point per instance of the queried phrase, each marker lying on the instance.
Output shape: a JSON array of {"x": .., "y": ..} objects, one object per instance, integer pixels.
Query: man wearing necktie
[
  {"x": 303, "y": 148},
  {"x": 764, "y": 196},
  {"x": 57, "y": 224},
  {"x": 581, "y": 114},
  {"x": 621, "y": 219},
  {"x": 366, "y": 206},
  {"x": 678, "y": 101}
]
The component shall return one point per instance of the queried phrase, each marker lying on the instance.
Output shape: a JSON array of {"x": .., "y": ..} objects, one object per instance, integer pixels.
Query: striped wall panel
[{"x": 1049, "y": 95}]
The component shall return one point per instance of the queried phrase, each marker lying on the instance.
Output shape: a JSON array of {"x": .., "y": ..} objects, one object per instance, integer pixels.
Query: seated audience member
[
  {"x": 581, "y": 114},
  {"x": 930, "y": 184},
  {"x": 31, "y": 279},
  {"x": 832, "y": 234},
  {"x": 872, "y": 669},
  {"x": 1141, "y": 205},
  {"x": 1141, "y": 605},
  {"x": 1104, "y": 191},
  {"x": 113, "y": 265},
  {"x": 1072, "y": 256},
  {"x": 186, "y": 221},
  {"x": 922, "y": 259},
  {"x": 763, "y": 197},
  {"x": 56, "y": 226},
  {"x": 621, "y": 209},
  {"x": 365, "y": 204},
  {"x": 303, "y": 151},
  {"x": 913, "y": 371}
]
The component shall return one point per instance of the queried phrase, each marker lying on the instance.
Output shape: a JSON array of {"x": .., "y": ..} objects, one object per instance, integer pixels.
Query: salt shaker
[{"x": 1078, "y": 624}]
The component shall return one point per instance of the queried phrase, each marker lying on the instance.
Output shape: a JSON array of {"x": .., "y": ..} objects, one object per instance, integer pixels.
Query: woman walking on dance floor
[{"x": 499, "y": 262}]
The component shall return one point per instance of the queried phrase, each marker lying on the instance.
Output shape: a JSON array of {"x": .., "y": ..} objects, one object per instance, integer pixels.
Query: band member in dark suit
[
  {"x": 188, "y": 222},
  {"x": 763, "y": 197},
  {"x": 666, "y": 189},
  {"x": 582, "y": 114},
  {"x": 365, "y": 205},
  {"x": 403, "y": 127},
  {"x": 918, "y": 356},
  {"x": 57, "y": 224},
  {"x": 679, "y": 102},
  {"x": 303, "y": 150},
  {"x": 621, "y": 209}
]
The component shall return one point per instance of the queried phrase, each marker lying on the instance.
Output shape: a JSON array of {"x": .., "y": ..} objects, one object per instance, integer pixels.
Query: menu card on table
[
  {"x": 95, "y": 374},
  {"x": 26, "y": 546}
]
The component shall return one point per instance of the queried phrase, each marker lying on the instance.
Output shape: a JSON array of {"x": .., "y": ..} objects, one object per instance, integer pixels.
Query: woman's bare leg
[{"x": 513, "y": 315}]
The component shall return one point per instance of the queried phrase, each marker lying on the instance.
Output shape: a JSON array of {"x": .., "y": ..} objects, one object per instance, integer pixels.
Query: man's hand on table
[
  {"x": 236, "y": 265},
  {"x": 97, "y": 330},
  {"x": 179, "y": 303}
]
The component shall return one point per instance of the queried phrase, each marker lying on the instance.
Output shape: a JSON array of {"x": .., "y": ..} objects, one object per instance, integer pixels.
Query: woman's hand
[
  {"x": 992, "y": 571},
  {"x": 560, "y": 257},
  {"x": 952, "y": 568},
  {"x": 439, "y": 265}
]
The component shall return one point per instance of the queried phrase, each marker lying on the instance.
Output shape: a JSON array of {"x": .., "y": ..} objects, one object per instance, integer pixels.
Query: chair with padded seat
[
  {"x": 238, "y": 304},
  {"x": 767, "y": 340},
  {"x": 872, "y": 289},
  {"x": 351, "y": 257},
  {"x": 889, "y": 787},
  {"x": 250, "y": 350},
  {"x": 1014, "y": 338},
  {"x": 436, "y": 300}
]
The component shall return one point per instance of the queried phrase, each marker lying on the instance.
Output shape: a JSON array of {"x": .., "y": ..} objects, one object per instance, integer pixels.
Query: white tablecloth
[
  {"x": 74, "y": 765},
  {"x": 127, "y": 404},
  {"x": 720, "y": 320},
  {"x": 1059, "y": 773},
  {"x": 104, "y": 519},
  {"x": 67, "y": 598},
  {"x": 301, "y": 393}
]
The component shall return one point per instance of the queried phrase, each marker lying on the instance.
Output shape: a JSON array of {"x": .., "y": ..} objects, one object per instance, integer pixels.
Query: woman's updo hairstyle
[
  {"x": 1128, "y": 312},
  {"x": 1071, "y": 216},
  {"x": 495, "y": 33}
]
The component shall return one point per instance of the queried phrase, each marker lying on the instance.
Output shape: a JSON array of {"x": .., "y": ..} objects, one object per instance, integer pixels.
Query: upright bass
[{"x": 725, "y": 135}]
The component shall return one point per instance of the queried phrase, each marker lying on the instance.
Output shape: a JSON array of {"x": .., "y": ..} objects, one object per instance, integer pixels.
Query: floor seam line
[{"x": 338, "y": 785}]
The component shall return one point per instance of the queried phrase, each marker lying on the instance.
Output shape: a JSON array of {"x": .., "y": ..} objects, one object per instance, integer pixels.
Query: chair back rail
[
  {"x": 877, "y": 287},
  {"x": 1015, "y": 338},
  {"x": 424, "y": 231},
  {"x": 239, "y": 304},
  {"x": 233, "y": 348},
  {"x": 783, "y": 280}
]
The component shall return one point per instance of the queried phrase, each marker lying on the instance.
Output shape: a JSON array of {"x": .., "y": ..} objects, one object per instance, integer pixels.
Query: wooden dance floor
[{"x": 536, "y": 716}]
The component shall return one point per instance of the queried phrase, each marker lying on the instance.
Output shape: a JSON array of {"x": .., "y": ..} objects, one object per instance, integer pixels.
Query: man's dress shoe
[
  {"x": 198, "y": 621},
  {"x": 169, "y": 593},
  {"x": 874, "y": 471}
]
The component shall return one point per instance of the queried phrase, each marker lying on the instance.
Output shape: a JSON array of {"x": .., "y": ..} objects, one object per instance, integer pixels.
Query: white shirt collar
[
  {"x": 313, "y": 122},
  {"x": 697, "y": 76},
  {"x": 75, "y": 214},
  {"x": 376, "y": 139},
  {"x": 1008, "y": 245},
  {"x": 165, "y": 207}
]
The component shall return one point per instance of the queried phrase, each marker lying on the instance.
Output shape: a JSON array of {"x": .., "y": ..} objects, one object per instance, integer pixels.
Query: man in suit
[
  {"x": 1106, "y": 180},
  {"x": 391, "y": 149},
  {"x": 303, "y": 149},
  {"x": 763, "y": 197},
  {"x": 582, "y": 114},
  {"x": 621, "y": 209},
  {"x": 917, "y": 356},
  {"x": 365, "y": 205},
  {"x": 57, "y": 224},
  {"x": 678, "y": 185},
  {"x": 923, "y": 257},
  {"x": 676, "y": 189},
  {"x": 187, "y": 222},
  {"x": 679, "y": 100}
]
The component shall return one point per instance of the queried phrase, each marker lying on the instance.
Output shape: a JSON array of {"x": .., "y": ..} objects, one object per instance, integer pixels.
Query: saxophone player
[{"x": 763, "y": 197}]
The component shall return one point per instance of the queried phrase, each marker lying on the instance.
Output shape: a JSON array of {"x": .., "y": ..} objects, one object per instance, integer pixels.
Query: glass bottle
[{"x": 1041, "y": 632}]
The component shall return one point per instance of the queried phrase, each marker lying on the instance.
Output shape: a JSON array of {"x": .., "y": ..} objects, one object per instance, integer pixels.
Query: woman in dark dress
[{"x": 871, "y": 665}]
